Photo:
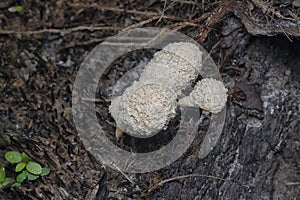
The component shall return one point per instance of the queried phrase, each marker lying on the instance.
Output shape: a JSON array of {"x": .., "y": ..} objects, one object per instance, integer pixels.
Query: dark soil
[{"x": 257, "y": 155}]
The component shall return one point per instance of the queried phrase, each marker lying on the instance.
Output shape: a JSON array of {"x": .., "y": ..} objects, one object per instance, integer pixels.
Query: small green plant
[
  {"x": 19, "y": 8},
  {"x": 3, "y": 179},
  {"x": 9, "y": 138},
  {"x": 24, "y": 166}
]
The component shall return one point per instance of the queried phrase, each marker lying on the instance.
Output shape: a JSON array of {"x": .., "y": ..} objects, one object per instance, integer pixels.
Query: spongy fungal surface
[
  {"x": 144, "y": 109},
  {"x": 208, "y": 94},
  {"x": 149, "y": 104},
  {"x": 187, "y": 51},
  {"x": 176, "y": 66}
]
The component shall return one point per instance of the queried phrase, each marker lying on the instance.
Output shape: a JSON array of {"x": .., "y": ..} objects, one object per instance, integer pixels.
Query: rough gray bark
[
  {"x": 260, "y": 145},
  {"x": 258, "y": 148}
]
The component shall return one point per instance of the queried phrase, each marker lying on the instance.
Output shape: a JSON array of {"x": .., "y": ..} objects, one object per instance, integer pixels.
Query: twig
[
  {"x": 123, "y": 173},
  {"x": 91, "y": 99},
  {"x": 194, "y": 175},
  {"x": 142, "y": 23},
  {"x": 62, "y": 31},
  {"x": 215, "y": 17},
  {"x": 162, "y": 13},
  {"x": 292, "y": 183},
  {"x": 193, "y": 22},
  {"x": 147, "y": 21},
  {"x": 181, "y": 25},
  {"x": 85, "y": 43},
  {"x": 212, "y": 50},
  {"x": 114, "y": 9},
  {"x": 186, "y": 2}
]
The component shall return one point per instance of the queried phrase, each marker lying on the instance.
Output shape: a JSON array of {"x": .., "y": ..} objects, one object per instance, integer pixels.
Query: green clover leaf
[
  {"x": 16, "y": 184},
  {"x": 21, "y": 177},
  {"x": 2, "y": 174},
  {"x": 7, "y": 138},
  {"x": 20, "y": 166},
  {"x": 32, "y": 177},
  {"x": 25, "y": 157},
  {"x": 8, "y": 181},
  {"x": 13, "y": 157},
  {"x": 19, "y": 8},
  {"x": 34, "y": 168},
  {"x": 45, "y": 171}
]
